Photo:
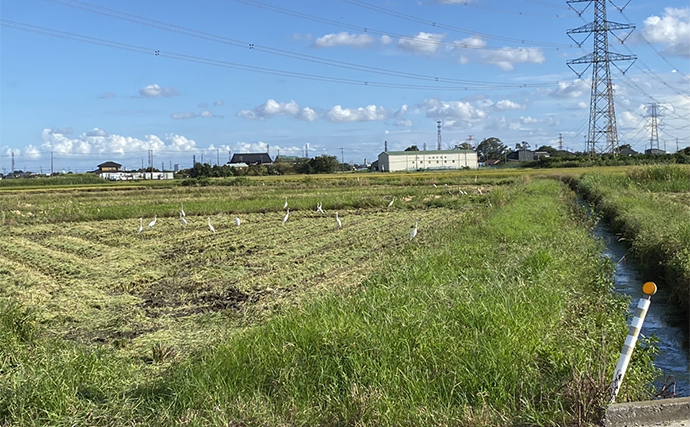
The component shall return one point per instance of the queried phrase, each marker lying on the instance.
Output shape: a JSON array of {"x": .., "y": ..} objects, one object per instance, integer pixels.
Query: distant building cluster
[{"x": 113, "y": 172}]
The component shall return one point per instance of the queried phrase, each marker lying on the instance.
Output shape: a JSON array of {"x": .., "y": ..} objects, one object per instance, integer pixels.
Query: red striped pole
[{"x": 649, "y": 289}]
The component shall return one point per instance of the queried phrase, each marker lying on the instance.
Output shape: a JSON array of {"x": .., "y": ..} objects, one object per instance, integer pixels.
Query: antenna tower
[
  {"x": 603, "y": 134},
  {"x": 385, "y": 145},
  {"x": 653, "y": 115},
  {"x": 560, "y": 142},
  {"x": 438, "y": 138}
]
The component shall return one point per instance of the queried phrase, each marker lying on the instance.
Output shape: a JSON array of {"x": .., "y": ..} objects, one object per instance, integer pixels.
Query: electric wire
[
  {"x": 412, "y": 18},
  {"x": 226, "y": 64},
  {"x": 116, "y": 14}
]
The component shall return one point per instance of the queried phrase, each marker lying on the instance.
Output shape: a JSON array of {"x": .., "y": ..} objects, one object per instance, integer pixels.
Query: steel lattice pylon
[{"x": 602, "y": 114}]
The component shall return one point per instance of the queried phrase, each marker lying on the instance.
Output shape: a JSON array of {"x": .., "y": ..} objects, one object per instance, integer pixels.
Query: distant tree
[
  {"x": 624, "y": 146},
  {"x": 412, "y": 148},
  {"x": 492, "y": 149},
  {"x": 463, "y": 146},
  {"x": 325, "y": 164},
  {"x": 549, "y": 149},
  {"x": 522, "y": 146}
]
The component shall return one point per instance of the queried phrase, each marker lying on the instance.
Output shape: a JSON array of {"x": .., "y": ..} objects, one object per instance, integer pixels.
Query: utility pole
[
  {"x": 306, "y": 149},
  {"x": 13, "y": 162},
  {"x": 677, "y": 149},
  {"x": 602, "y": 115},
  {"x": 51, "y": 163},
  {"x": 217, "y": 157},
  {"x": 385, "y": 145},
  {"x": 438, "y": 137},
  {"x": 193, "y": 160},
  {"x": 342, "y": 158}
]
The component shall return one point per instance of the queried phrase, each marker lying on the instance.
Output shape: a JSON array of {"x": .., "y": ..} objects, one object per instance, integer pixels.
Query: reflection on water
[{"x": 664, "y": 320}]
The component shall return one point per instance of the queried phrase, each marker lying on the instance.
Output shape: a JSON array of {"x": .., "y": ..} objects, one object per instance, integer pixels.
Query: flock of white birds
[{"x": 319, "y": 208}]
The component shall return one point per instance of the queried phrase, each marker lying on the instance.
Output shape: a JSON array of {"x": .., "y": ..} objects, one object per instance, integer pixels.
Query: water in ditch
[{"x": 664, "y": 320}]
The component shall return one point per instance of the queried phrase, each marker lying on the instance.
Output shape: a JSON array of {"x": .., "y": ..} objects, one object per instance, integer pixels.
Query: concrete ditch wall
[{"x": 665, "y": 412}]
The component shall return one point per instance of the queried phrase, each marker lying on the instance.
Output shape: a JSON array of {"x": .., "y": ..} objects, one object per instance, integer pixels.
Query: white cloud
[
  {"x": 582, "y": 104},
  {"x": 106, "y": 95},
  {"x": 218, "y": 103},
  {"x": 507, "y": 57},
  {"x": 102, "y": 142},
  {"x": 454, "y": 113},
  {"x": 183, "y": 115},
  {"x": 573, "y": 89},
  {"x": 528, "y": 120},
  {"x": 338, "y": 114},
  {"x": 273, "y": 108},
  {"x": 96, "y": 132},
  {"x": 64, "y": 131},
  {"x": 344, "y": 39},
  {"x": 671, "y": 30},
  {"x": 386, "y": 40},
  {"x": 423, "y": 43},
  {"x": 156, "y": 91},
  {"x": 473, "y": 42},
  {"x": 506, "y": 104},
  {"x": 207, "y": 114}
]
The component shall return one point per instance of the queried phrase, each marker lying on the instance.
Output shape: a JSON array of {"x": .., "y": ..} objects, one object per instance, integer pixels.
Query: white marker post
[{"x": 649, "y": 289}]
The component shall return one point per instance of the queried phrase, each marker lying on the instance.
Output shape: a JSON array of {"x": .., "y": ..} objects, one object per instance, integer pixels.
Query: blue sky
[{"x": 101, "y": 80}]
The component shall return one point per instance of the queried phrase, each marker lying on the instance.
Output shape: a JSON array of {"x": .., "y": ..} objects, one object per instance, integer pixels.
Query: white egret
[
  {"x": 319, "y": 208},
  {"x": 182, "y": 220},
  {"x": 285, "y": 205},
  {"x": 286, "y": 216},
  {"x": 141, "y": 225},
  {"x": 414, "y": 230},
  {"x": 340, "y": 225},
  {"x": 152, "y": 223},
  {"x": 435, "y": 186},
  {"x": 448, "y": 190},
  {"x": 182, "y": 210},
  {"x": 210, "y": 226},
  {"x": 479, "y": 190},
  {"x": 237, "y": 221},
  {"x": 475, "y": 178},
  {"x": 391, "y": 203}
]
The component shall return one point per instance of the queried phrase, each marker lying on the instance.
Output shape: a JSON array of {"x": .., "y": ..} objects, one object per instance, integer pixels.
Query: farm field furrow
[{"x": 112, "y": 285}]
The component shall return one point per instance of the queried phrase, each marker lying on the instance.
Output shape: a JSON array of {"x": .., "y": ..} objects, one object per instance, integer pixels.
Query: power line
[
  {"x": 116, "y": 14},
  {"x": 233, "y": 65},
  {"x": 412, "y": 18}
]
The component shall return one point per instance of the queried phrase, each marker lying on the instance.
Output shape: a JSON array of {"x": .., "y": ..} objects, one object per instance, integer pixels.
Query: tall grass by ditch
[{"x": 643, "y": 207}]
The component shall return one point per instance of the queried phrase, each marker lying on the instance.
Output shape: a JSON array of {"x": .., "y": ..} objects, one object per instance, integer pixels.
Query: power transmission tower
[
  {"x": 602, "y": 115},
  {"x": 560, "y": 142},
  {"x": 438, "y": 138},
  {"x": 653, "y": 116}
]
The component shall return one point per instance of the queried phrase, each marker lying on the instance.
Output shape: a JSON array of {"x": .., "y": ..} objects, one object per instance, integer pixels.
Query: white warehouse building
[{"x": 393, "y": 161}]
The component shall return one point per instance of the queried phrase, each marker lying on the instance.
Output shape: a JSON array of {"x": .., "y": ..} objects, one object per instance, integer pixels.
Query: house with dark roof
[
  {"x": 109, "y": 167},
  {"x": 241, "y": 159}
]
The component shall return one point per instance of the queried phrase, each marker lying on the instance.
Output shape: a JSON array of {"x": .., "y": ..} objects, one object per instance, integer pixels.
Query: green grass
[
  {"x": 651, "y": 208},
  {"x": 488, "y": 317}
]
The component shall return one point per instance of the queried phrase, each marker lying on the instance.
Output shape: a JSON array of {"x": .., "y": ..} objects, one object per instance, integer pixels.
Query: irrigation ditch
[{"x": 667, "y": 324}]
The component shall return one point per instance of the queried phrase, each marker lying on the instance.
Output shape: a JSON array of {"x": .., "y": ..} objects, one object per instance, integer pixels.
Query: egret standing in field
[
  {"x": 182, "y": 220},
  {"x": 340, "y": 225},
  {"x": 286, "y": 216},
  {"x": 285, "y": 205},
  {"x": 210, "y": 226},
  {"x": 152, "y": 223},
  {"x": 141, "y": 225},
  {"x": 448, "y": 190},
  {"x": 237, "y": 221},
  {"x": 319, "y": 208},
  {"x": 182, "y": 211},
  {"x": 391, "y": 202},
  {"x": 414, "y": 230}
]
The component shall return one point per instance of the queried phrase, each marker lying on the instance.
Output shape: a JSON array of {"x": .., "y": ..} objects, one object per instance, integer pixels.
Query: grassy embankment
[
  {"x": 650, "y": 207},
  {"x": 488, "y": 318}
]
